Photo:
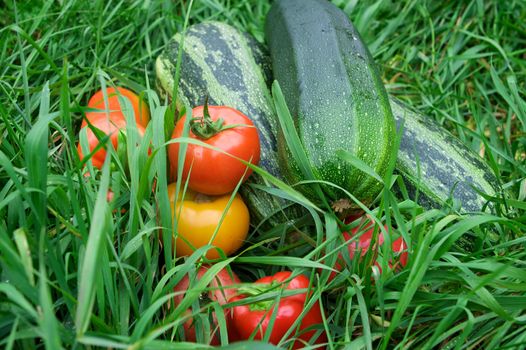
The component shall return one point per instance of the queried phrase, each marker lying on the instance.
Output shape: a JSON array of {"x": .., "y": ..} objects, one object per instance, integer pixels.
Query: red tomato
[
  {"x": 218, "y": 291},
  {"x": 110, "y": 126},
  {"x": 140, "y": 109},
  {"x": 213, "y": 172},
  {"x": 363, "y": 243}
]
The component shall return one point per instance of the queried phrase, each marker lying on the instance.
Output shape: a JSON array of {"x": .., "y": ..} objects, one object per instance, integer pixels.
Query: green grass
[{"x": 75, "y": 273}]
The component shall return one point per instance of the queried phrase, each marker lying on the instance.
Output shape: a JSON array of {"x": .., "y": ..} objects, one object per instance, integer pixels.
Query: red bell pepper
[{"x": 255, "y": 318}]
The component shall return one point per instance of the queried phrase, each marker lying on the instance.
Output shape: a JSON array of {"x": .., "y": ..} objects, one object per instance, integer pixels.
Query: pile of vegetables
[{"x": 243, "y": 145}]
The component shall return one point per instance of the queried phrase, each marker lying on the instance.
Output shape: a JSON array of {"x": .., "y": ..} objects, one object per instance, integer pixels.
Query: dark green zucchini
[
  {"x": 232, "y": 69},
  {"x": 335, "y": 95}
]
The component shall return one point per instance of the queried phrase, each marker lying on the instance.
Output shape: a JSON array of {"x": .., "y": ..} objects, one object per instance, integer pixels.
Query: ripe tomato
[
  {"x": 362, "y": 245},
  {"x": 199, "y": 215},
  {"x": 213, "y": 172},
  {"x": 140, "y": 109},
  {"x": 110, "y": 126},
  {"x": 218, "y": 290}
]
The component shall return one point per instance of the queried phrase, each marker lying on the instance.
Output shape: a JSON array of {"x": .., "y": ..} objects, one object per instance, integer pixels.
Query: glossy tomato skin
[
  {"x": 362, "y": 245},
  {"x": 245, "y": 319},
  {"x": 198, "y": 217},
  {"x": 110, "y": 126},
  {"x": 140, "y": 108},
  {"x": 213, "y": 172},
  {"x": 222, "y": 288}
]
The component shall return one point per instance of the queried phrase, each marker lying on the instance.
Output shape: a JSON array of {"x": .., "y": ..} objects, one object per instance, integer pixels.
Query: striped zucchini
[
  {"x": 231, "y": 69},
  {"x": 335, "y": 95},
  {"x": 448, "y": 168}
]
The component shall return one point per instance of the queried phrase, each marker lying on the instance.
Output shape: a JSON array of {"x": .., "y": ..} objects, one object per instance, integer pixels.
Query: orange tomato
[
  {"x": 110, "y": 126},
  {"x": 198, "y": 216},
  {"x": 140, "y": 109}
]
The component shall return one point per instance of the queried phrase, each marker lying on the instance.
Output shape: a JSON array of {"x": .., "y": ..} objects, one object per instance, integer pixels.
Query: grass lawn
[{"x": 78, "y": 272}]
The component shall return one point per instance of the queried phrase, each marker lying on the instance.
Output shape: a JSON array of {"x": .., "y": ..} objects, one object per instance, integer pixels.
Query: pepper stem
[{"x": 256, "y": 290}]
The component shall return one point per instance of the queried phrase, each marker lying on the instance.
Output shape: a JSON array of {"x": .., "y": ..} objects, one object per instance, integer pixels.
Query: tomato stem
[
  {"x": 203, "y": 198},
  {"x": 204, "y": 127}
]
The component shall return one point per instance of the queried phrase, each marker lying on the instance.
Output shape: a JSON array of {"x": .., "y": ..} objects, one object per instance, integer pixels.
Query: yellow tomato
[{"x": 199, "y": 215}]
